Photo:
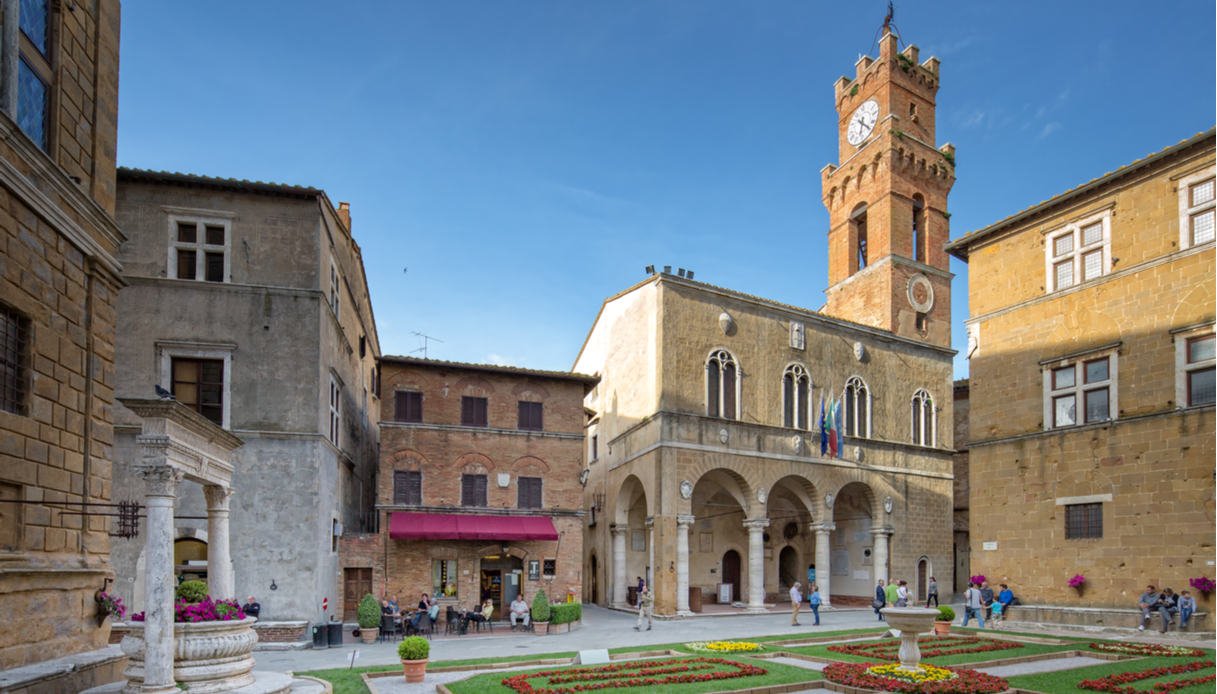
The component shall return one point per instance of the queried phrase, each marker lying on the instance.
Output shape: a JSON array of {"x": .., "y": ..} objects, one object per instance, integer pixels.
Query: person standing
[
  {"x": 816, "y": 601},
  {"x": 880, "y": 600},
  {"x": 986, "y": 598},
  {"x": 932, "y": 594},
  {"x": 796, "y": 599},
  {"x": 253, "y": 609},
  {"x": 902, "y": 595},
  {"x": 646, "y": 600},
  {"x": 1146, "y": 602},
  {"x": 972, "y": 606},
  {"x": 893, "y": 591}
]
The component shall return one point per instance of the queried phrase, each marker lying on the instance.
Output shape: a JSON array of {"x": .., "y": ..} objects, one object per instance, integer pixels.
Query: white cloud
[{"x": 1048, "y": 130}]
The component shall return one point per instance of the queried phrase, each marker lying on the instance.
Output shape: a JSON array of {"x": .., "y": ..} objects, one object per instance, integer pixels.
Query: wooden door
[
  {"x": 922, "y": 580},
  {"x": 595, "y": 576},
  {"x": 731, "y": 573},
  {"x": 356, "y": 584}
]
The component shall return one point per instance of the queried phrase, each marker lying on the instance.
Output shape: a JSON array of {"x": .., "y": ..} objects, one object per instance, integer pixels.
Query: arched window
[
  {"x": 858, "y": 219},
  {"x": 722, "y": 385},
  {"x": 796, "y": 397},
  {"x": 857, "y": 409},
  {"x": 924, "y": 420},
  {"x": 919, "y": 230}
]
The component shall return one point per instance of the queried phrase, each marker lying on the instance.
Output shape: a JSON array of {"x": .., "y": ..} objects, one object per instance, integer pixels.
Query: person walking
[
  {"x": 880, "y": 601},
  {"x": 932, "y": 594},
  {"x": 902, "y": 595},
  {"x": 816, "y": 601},
  {"x": 893, "y": 591},
  {"x": 972, "y": 606},
  {"x": 796, "y": 600},
  {"x": 646, "y": 599}
]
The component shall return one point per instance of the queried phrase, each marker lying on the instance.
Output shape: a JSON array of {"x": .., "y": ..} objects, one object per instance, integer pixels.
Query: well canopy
[{"x": 447, "y": 526}]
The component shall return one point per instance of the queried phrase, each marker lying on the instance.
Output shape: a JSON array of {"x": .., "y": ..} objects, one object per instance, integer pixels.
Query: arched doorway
[
  {"x": 731, "y": 567},
  {"x": 594, "y": 574},
  {"x": 788, "y": 568},
  {"x": 190, "y": 559},
  {"x": 923, "y": 572},
  {"x": 501, "y": 580}
]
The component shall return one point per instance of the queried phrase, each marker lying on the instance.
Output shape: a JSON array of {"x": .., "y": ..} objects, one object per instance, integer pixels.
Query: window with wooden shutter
[
  {"x": 473, "y": 412},
  {"x": 407, "y": 406},
  {"x": 530, "y": 416},
  {"x": 473, "y": 490},
  {"x": 529, "y": 495},
  {"x": 407, "y": 487},
  {"x": 199, "y": 385}
]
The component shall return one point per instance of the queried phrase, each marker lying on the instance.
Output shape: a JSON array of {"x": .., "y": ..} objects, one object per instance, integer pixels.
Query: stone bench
[{"x": 1097, "y": 617}]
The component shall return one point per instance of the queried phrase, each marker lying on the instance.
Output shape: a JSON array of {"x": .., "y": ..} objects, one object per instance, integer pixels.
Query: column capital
[
  {"x": 159, "y": 480},
  {"x": 756, "y": 523},
  {"x": 822, "y": 527},
  {"x": 886, "y": 531},
  {"x": 217, "y": 496},
  {"x": 619, "y": 530},
  {"x": 685, "y": 521},
  {"x": 650, "y": 522}
]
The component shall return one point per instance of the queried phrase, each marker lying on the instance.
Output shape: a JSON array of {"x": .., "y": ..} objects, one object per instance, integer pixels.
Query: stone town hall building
[{"x": 704, "y": 459}]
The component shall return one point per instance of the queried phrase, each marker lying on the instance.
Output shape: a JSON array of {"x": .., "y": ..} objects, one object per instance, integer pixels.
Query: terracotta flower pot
[
  {"x": 369, "y": 635},
  {"x": 942, "y": 628},
  {"x": 542, "y": 628},
  {"x": 415, "y": 670}
]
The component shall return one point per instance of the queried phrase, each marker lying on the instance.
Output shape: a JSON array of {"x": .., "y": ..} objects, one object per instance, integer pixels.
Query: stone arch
[
  {"x": 1078, "y": 331},
  {"x": 474, "y": 386},
  {"x": 628, "y": 495},
  {"x": 529, "y": 461},
  {"x": 802, "y": 489},
  {"x": 857, "y": 496},
  {"x": 496, "y": 550},
  {"x": 531, "y": 392},
  {"x": 406, "y": 379},
  {"x": 733, "y": 477},
  {"x": 1196, "y": 307},
  {"x": 789, "y": 574},
  {"x": 1083, "y": 483},
  {"x": 407, "y": 459},
  {"x": 473, "y": 463}
]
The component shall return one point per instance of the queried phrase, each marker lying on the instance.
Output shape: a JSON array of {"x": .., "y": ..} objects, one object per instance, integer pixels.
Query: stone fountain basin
[{"x": 910, "y": 622}]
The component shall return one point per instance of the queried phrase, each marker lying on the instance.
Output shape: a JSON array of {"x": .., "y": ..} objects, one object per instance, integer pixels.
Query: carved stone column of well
[
  {"x": 219, "y": 558},
  {"x": 619, "y": 580},
  {"x": 823, "y": 533},
  {"x": 880, "y": 554},
  {"x": 756, "y": 564},
  {"x": 160, "y": 486},
  {"x": 682, "y": 564}
]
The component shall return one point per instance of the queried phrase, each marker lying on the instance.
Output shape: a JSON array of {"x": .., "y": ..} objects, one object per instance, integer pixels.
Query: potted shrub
[
  {"x": 942, "y": 626},
  {"x": 559, "y": 619},
  {"x": 108, "y": 605},
  {"x": 1078, "y": 583},
  {"x": 413, "y": 652},
  {"x": 540, "y": 612},
  {"x": 191, "y": 591},
  {"x": 369, "y": 619}
]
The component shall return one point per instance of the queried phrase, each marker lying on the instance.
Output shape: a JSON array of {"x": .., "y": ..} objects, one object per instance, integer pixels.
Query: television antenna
[{"x": 427, "y": 339}]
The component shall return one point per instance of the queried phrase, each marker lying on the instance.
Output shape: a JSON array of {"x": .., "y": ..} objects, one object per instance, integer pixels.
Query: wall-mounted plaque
[{"x": 534, "y": 569}]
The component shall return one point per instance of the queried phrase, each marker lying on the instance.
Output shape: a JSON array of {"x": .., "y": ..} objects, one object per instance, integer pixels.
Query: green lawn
[
  {"x": 1066, "y": 681},
  {"x": 491, "y": 683},
  {"x": 821, "y": 651}
]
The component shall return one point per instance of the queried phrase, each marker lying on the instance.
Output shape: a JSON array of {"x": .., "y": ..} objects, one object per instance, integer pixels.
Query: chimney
[{"x": 344, "y": 213}]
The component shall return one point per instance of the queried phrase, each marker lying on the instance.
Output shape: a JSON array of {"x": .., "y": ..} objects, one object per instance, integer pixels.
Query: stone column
[
  {"x": 619, "y": 580},
  {"x": 160, "y": 482},
  {"x": 756, "y": 564},
  {"x": 823, "y": 533},
  {"x": 682, "y": 564},
  {"x": 649, "y": 572},
  {"x": 220, "y": 583},
  {"x": 880, "y": 554}
]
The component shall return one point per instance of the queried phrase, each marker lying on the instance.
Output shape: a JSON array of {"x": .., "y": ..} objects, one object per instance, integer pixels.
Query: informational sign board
[
  {"x": 534, "y": 569},
  {"x": 990, "y": 546}
]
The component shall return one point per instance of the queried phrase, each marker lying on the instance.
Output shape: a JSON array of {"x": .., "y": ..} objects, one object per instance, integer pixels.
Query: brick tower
[{"x": 887, "y": 200}]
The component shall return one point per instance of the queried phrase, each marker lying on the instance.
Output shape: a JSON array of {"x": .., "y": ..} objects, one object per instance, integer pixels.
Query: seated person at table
[
  {"x": 481, "y": 613},
  {"x": 394, "y": 605},
  {"x": 434, "y": 611},
  {"x": 386, "y": 609},
  {"x": 425, "y": 603},
  {"x": 519, "y": 610}
]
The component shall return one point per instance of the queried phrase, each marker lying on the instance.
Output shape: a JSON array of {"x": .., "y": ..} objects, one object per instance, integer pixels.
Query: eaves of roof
[
  {"x": 125, "y": 173},
  {"x": 492, "y": 368},
  {"x": 959, "y": 247}
]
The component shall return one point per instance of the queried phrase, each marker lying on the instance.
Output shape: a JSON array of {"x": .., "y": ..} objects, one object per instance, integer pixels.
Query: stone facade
[
  {"x": 271, "y": 327},
  {"x": 1129, "y": 446},
  {"x": 441, "y": 450},
  {"x": 962, "y": 491},
  {"x": 59, "y": 283}
]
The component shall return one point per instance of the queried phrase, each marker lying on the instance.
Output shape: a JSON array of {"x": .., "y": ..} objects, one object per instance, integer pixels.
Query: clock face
[{"x": 862, "y": 123}]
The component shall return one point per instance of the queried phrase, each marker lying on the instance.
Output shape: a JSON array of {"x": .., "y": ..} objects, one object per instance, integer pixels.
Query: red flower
[
  {"x": 1111, "y": 683},
  {"x": 888, "y": 650},
  {"x": 968, "y": 682},
  {"x": 622, "y": 675}
]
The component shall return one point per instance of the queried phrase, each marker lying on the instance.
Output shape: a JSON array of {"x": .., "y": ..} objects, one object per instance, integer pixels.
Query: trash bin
[
  {"x": 335, "y": 634},
  {"x": 320, "y": 636},
  {"x": 694, "y": 599}
]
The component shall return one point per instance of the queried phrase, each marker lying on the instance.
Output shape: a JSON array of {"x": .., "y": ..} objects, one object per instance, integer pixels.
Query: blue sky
[{"x": 525, "y": 160}]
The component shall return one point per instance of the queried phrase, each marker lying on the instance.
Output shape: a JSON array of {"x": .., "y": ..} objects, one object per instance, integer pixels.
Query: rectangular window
[
  {"x": 443, "y": 578},
  {"x": 1200, "y": 349},
  {"x": 1064, "y": 274},
  {"x": 14, "y": 339},
  {"x": 473, "y": 490},
  {"x": 529, "y": 416},
  {"x": 335, "y": 290},
  {"x": 1197, "y": 214},
  {"x": 200, "y": 251},
  {"x": 1084, "y": 521},
  {"x": 1200, "y": 388},
  {"x": 34, "y": 21},
  {"x": 1064, "y": 410},
  {"x": 549, "y": 568},
  {"x": 1096, "y": 405},
  {"x": 335, "y": 411},
  {"x": 1202, "y": 227},
  {"x": 407, "y": 406},
  {"x": 32, "y": 94},
  {"x": 473, "y": 412},
  {"x": 1079, "y": 253},
  {"x": 595, "y": 446},
  {"x": 1087, "y": 385},
  {"x": 1202, "y": 192},
  {"x": 1063, "y": 378},
  {"x": 529, "y": 489},
  {"x": 407, "y": 487},
  {"x": 199, "y": 385}
]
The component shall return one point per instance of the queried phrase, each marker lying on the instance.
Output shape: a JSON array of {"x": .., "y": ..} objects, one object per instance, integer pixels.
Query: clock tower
[{"x": 887, "y": 199}]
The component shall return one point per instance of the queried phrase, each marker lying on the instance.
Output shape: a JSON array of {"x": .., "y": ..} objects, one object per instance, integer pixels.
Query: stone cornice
[
  {"x": 176, "y": 412},
  {"x": 479, "y": 430},
  {"x": 1125, "y": 419},
  {"x": 483, "y": 511}
]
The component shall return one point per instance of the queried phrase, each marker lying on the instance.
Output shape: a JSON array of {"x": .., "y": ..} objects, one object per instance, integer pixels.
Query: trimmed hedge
[
  {"x": 191, "y": 591},
  {"x": 565, "y": 613}
]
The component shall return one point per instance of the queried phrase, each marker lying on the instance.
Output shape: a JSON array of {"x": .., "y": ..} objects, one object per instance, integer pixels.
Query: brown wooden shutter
[
  {"x": 414, "y": 493},
  {"x": 401, "y": 487},
  {"x": 729, "y": 404},
  {"x": 480, "y": 489},
  {"x": 400, "y": 406},
  {"x": 481, "y": 415},
  {"x": 467, "y": 490},
  {"x": 535, "y": 498}
]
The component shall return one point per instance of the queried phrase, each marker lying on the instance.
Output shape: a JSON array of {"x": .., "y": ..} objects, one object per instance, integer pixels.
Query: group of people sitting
[
  {"x": 1167, "y": 605},
  {"x": 520, "y": 613},
  {"x": 409, "y": 621},
  {"x": 980, "y": 602}
]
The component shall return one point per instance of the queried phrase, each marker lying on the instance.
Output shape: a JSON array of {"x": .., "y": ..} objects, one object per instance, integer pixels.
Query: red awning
[{"x": 444, "y": 526}]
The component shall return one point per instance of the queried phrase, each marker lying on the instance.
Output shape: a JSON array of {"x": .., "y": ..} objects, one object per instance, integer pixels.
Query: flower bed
[
  {"x": 637, "y": 674},
  {"x": 724, "y": 647},
  {"x": 930, "y": 648},
  {"x": 1148, "y": 650},
  {"x": 965, "y": 682},
  {"x": 1112, "y": 683},
  {"x": 924, "y": 673}
]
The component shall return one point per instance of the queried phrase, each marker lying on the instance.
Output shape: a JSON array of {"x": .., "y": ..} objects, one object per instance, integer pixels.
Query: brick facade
[
  {"x": 59, "y": 283},
  {"x": 441, "y": 449},
  {"x": 1148, "y": 461}
]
